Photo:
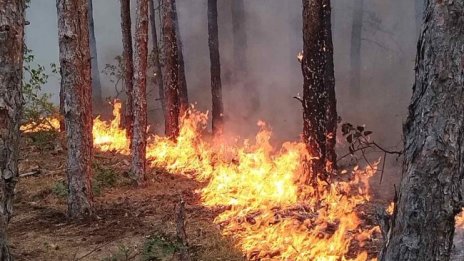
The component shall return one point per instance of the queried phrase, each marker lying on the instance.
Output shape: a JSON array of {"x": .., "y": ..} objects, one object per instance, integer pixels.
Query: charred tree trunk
[
  {"x": 431, "y": 189},
  {"x": 139, "y": 102},
  {"x": 216, "y": 87},
  {"x": 171, "y": 71},
  {"x": 183, "y": 92},
  {"x": 73, "y": 33},
  {"x": 318, "y": 89},
  {"x": 329, "y": 83},
  {"x": 11, "y": 64},
  {"x": 96, "y": 85},
  {"x": 128, "y": 65},
  {"x": 156, "y": 57},
  {"x": 355, "y": 53}
]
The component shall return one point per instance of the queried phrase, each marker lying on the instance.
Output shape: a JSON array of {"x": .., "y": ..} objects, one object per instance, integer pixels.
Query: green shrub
[{"x": 60, "y": 189}]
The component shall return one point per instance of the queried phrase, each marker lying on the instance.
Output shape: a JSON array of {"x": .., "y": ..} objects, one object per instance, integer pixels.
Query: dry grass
[{"x": 127, "y": 223}]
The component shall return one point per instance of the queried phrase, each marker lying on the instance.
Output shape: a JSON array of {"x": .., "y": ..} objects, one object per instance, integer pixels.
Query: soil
[{"x": 129, "y": 223}]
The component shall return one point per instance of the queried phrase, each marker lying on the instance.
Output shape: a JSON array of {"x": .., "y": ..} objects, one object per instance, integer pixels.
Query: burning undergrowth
[{"x": 258, "y": 189}]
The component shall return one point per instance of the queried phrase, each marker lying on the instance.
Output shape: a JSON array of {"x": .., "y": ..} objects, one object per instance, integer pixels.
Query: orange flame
[{"x": 266, "y": 209}]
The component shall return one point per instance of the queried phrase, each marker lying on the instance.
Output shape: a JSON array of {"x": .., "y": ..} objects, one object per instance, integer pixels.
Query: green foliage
[
  {"x": 115, "y": 73},
  {"x": 103, "y": 178},
  {"x": 158, "y": 248},
  {"x": 357, "y": 137},
  {"x": 123, "y": 254},
  {"x": 37, "y": 104},
  {"x": 43, "y": 139},
  {"x": 60, "y": 189}
]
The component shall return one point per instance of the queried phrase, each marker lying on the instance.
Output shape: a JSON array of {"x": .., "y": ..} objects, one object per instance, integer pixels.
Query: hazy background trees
[{"x": 386, "y": 73}]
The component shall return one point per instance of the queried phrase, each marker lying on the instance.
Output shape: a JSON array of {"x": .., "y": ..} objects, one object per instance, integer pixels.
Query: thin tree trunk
[
  {"x": 355, "y": 53},
  {"x": 431, "y": 189},
  {"x": 318, "y": 87},
  {"x": 171, "y": 72},
  {"x": 96, "y": 85},
  {"x": 216, "y": 87},
  {"x": 156, "y": 56},
  {"x": 329, "y": 83},
  {"x": 73, "y": 33},
  {"x": 11, "y": 63},
  {"x": 139, "y": 104},
  {"x": 128, "y": 65},
  {"x": 183, "y": 92}
]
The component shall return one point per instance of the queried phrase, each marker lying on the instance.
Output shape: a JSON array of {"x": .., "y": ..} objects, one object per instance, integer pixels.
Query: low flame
[{"x": 266, "y": 209}]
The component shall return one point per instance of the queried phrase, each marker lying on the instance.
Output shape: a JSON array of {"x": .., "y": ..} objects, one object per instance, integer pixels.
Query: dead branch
[
  {"x": 299, "y": 99},
  {"x": 31, "y": 173}
]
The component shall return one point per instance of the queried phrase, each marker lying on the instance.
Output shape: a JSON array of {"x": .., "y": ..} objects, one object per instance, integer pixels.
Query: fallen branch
[{"x": 32, "y": 173}]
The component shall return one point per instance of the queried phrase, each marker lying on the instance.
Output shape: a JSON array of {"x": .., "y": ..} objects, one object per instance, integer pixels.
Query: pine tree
[
  {"x": 73, "y": 33},
  {"x": 11, "y": 63}
]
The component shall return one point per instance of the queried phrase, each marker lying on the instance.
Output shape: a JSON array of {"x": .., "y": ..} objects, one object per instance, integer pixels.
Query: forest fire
[{"x": 265, "y": 207}]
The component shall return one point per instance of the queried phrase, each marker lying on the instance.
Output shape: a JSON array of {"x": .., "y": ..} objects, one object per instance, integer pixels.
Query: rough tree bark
[
  {"x": 329, "y": 83},
  {"x": 128, "y": 65},
  {"x": 73, "y": 33},
  {"x": 139, "y": 102},
  {"x": 183, "y": 92},
  {"x": 171, "y": 71},
  {"x": 431, "y": 193},
  {"x": 355, "y": 53},
  {"x": 156, "y": 57},
  {"x": 11, "y": 64},
  {"x": 319, "y": 112},
  {"x": 216, "y": 87},
  {"x": 96, "y": 85}
]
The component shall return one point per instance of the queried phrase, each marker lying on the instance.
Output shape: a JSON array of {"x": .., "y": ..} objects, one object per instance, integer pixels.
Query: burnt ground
[{"x": 129, "y": 223}]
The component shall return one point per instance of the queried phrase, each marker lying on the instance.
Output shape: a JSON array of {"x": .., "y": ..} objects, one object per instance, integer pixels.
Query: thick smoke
[{"x": 274, "y": 37}]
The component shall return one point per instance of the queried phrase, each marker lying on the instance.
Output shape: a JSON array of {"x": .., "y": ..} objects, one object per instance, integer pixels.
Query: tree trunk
[
  {"x": 355, "y": 53},
  {"x": 171, "y": 71},
  {"x": 431, "y": 189},
  {"x": 73, "y": 33},
  {"x": 156, "y": 56},
  {"x": 329, "y": 83},
  {"x": 183, "y": 92},
  {"x": 11, "y": 64},
  {"x": 318, "y": 88},
  {"x": 96, "y": 85},
  {"x": 139, "y": 103},
  {"x": 128, "y": 65},
  {"x": 216, "y": 87}
]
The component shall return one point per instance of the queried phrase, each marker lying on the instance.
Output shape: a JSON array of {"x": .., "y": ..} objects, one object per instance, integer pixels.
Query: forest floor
[{"x": 128, "y": 224}]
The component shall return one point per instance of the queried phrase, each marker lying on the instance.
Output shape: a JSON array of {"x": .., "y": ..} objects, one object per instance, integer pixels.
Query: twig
[
  {"x": 298, "y": 98},
  {"x": 93, "y": 250},
  {"x": 383, "y": 167},
  {"x": 32, "y": 173}
]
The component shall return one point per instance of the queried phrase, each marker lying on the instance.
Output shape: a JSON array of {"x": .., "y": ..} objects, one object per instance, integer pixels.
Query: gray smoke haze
[{"x": 274, "y": 36}]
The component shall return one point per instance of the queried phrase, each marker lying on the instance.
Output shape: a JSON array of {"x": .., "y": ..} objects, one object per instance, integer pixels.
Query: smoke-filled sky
[{"x": 274, "y": 35}]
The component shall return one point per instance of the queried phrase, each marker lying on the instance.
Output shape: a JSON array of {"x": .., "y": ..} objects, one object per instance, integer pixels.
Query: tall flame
[{"x": 266, "y": 209}]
